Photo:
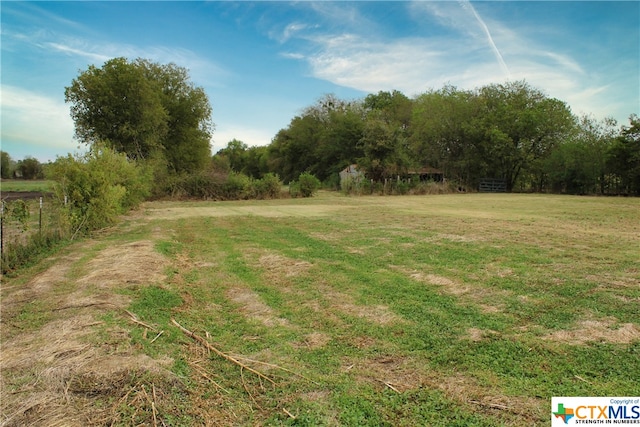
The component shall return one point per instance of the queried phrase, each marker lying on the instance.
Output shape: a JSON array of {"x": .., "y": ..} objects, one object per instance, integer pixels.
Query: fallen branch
[
  {"x": 204, "y": 374},
  {"x": 288, "y": 413},
  {"x": 581, "y": 379},
  {"x": 134, "y": 319},
  {"x": 271, "y": 365},
  {"x": 157, "y": 336},
  {"x": 390, "y": 386},
  {"x": 225, "y": 356}
]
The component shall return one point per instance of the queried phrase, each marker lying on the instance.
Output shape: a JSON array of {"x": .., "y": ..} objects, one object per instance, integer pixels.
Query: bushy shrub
[
  {"x": 306, "y": 186},
  {"x": 99, "y": 186},
  {"x": 268, "y": 187},
  {"x": 236, "y": 186}
]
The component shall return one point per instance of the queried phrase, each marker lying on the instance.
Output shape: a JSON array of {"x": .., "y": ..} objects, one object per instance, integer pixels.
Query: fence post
[
  {"x": 40, "y": 219},
  {"x": 1, "y": 229}
]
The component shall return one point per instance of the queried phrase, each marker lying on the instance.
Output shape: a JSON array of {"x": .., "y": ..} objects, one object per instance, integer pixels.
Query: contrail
[{"x": 505, "y": 69}]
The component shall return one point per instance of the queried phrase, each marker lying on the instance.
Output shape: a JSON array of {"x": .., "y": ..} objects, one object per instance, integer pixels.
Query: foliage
[
  {"x": 623, "y": 158},
  {"x": 512, "y": 132},
  {"x": 18, "y": 211},
  {"x": 267, "y": 187},
  {"x": 143, "y": 109},
  {"x": 5, "y": 165},
  {"x": 221, "y": 184},
  {"x": 306, "y": 185},
  {"x": 322, "y": 140},
  {"x": 99, "y": 186},
  {"x": 29, "y": 232},
  {"x": 30, "y": 168}
]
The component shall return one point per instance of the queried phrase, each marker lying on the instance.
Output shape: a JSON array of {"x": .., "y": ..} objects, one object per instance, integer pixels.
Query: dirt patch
[
  {"x": 604, "y": 330},
  {"x": 253, "y": 307}
]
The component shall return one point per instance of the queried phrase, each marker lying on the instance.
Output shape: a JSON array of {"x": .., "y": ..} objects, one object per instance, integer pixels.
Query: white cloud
[
  {"x": 250, "y": 136},
  {"x": 203, "y": 72},
  {"x": 94, "y": 57},
  {"x": 34, "y": 119},
  {"x": 472, "y": 52},
  {"x": 411, "y": 65}
]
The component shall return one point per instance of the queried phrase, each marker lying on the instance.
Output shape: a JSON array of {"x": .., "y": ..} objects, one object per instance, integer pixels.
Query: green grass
[
  {"x": 434, "y": 310},
  {"x": 26, "y": 185},
  {"x": 506, "y": 273}
]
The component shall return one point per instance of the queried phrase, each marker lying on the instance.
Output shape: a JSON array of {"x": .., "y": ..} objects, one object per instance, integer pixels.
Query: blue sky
[{"x": 261, "y": 63}]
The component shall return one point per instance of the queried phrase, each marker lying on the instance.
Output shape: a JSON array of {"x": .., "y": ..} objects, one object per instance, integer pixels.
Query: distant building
[
  {"x": 427, "y": 173},
  {"x": 350, "y": 176}
]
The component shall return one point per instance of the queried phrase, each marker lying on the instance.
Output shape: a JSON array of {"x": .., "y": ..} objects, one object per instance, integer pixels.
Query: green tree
[
  {"x": 293, "y": 149},
  {"x": 623, "y": 158},
  {"x": 520, "y": 125},
  {"x": 445, "y": 135},
  {"x": 187, "y": 144},
  {"x": 143, "y": 109},
  {"x": 235, "y": 152},
  {"x": 384, "y": 146},
  {"x": 256, "y": 162},
  {"x": 5, "y": 165},
  {"x": 30, "y": 168}
]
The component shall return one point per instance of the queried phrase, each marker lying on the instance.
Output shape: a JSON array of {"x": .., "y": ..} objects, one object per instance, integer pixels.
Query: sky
[{"x": 261, "y": 63}]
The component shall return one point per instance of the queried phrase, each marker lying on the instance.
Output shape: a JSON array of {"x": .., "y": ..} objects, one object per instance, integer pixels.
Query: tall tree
[
  {"x": 623, "y": 158},
  {"x": 5, "y": 165},
  {"x": 143, "y": 109},
  {"x": 445, "y": 134},
  {"x": 521, "y": 125},
  {"x": 30, "y": 168},
  {"x": 235, "y": 152}
]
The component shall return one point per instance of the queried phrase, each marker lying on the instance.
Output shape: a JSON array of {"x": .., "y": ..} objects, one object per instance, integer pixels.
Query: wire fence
[{"x": 28, "y": 226}]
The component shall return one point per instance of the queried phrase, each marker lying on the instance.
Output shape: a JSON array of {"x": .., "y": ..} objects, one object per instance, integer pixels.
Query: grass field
[
  {"x": 25, "y": 185},
  {"x": 450, "y": 310}
]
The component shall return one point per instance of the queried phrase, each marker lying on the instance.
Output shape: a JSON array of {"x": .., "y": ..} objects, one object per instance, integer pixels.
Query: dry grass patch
[
  {"x": 395, "y": 372},
  {"x": 131, "y": 263},
  {"x": 280, "y": 266},
  {"x": 512, "y": 410},
  {"x": 313, "y": 341},
  {"x": 476, "y": 295},
  {"x": 254, "y": 308},
  {"x": 603, "y": 330},
  {"x": 379, "y": 313},
  {"x": 56, "y": 373}
]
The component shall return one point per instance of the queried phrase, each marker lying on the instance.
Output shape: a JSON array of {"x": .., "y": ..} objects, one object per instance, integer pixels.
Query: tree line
[
  {"x": 158, "y": 119},
  {"x": 511, "y": 132}
]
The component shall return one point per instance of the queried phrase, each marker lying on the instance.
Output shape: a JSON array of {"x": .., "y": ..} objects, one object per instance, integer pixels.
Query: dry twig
[
  {"x": 390, "y": 386},
  {"x": 220, "y": 353},
  {"x": 157, "y": 336},
  {"x": 271, "y": 365},
  {"x": 134, "y": 319},
  {"x": 581, "y": 379}
]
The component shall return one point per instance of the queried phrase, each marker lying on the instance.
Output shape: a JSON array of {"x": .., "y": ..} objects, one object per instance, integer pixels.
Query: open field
[
  {"x": 11, "y": 185},
  {"x": 450, "y": 310}
]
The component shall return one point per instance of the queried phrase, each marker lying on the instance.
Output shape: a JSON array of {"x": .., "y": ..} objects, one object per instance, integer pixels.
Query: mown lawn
[{"x": 445, "y": 310}]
